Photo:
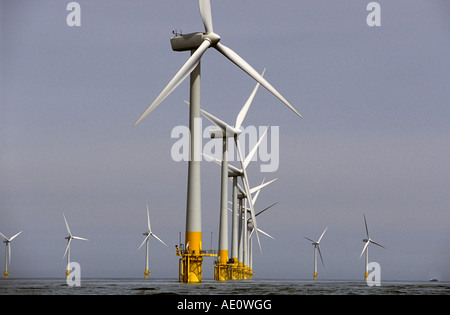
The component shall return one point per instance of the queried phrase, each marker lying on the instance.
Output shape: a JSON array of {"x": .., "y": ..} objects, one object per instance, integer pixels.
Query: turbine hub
[{"x": 213, "y": 38}]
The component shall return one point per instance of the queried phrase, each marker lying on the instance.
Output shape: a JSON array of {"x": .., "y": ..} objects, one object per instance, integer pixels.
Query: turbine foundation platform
[{"x": 190, "y": 266}]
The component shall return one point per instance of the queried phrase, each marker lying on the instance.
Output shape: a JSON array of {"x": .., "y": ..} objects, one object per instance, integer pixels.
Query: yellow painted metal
[{"x": 190, "y": 266}]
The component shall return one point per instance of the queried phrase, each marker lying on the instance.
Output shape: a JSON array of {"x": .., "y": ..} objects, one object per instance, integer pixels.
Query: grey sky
[{"x": 374, "y": 138}]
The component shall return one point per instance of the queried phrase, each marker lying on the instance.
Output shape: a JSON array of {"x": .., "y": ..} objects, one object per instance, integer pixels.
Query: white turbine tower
[
  {"x": 367, "y": 241},
  {"x": 7, "y": 242},
  {"x": 69, "y": 239},
  {"x": 317, "y": 248},
  {"x": 147, "y": 237},
  {"x": 197, "y": 44}
]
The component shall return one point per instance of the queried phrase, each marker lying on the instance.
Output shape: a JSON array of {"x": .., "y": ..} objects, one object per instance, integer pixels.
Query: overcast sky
[{"x": 375, "y": 138}]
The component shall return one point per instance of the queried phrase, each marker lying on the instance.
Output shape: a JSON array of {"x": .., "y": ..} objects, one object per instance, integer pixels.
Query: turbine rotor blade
[
  {"x": 80, "y": 238},
  {"x": 143, "y": 242},
  {"x": 148, "y": 221},
  {"x": 377, "y": 244},
  {"x": 158, "y": 238},
  {"x": 67, "y": 225},
  {"x": 322, "y": 234},
  {"x": 243, "y": 113},
  {"x": 309, "y": 239},
  {"x": 205, "y": 12},
  {"x": 320, "y": 254},
  {"x": 266, "y": 234},
  {"x": 255, "y": 148},
  {"x": 364, "y": 249},
  {"x": 188, "y": 67},
  {"x": 67, "y": 247},
  {"x": 227, "y": 129},
  {"x": 367, "y": 230},
  {"x": 266, "y": 209},
  {"x": 241, "y": 63},
  {"x": 6, "y": 239},
  {"x": 15, "y": 236},
  {"x": 258, "y": 188}
]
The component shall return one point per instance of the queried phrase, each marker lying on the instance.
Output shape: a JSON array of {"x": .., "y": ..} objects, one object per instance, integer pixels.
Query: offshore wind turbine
[
  {"x": 7, "y": 242},
  {"x": 147, "y": 237},
  {"x": 69, "y": 239},
  {"x": 225, "y": 131},
  {"x": 367, "y": 241},
  {"x": 317, "y": 248},
  {"x": 251, "y": 229},
  {"x": 197, "y": 44}
]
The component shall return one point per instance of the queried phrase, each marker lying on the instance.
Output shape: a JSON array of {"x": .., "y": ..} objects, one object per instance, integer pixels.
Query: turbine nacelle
[
  {"x": 230, "y": 133},
  {"x": 193, "y": 41}
]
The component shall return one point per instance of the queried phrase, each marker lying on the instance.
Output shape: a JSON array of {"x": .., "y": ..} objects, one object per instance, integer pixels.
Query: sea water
[{"x": 210, "y": 287}]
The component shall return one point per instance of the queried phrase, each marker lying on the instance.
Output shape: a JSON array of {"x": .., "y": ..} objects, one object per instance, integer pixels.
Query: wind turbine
[
  {"x": 367, "y": 241},
  {"x": 147, "y": 237},
  {"x": 251, "y": 229},
  {"x": 317, "y": 248},
  {"x": 225, "y": 131},
  {"x": 197, "y": 44},
  {"x": 69, "y": 239},
  {"x": 7, "y": 242}
]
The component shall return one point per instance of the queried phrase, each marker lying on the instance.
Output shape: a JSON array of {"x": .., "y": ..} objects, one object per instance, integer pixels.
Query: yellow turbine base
[
  {"x": 315, "y": 276},
  {"x": 5, "y": 274},
  {"x": 366, "y": 275},
  {"x": 146, "y": 274},
  {"x": 67, "y": 273}
]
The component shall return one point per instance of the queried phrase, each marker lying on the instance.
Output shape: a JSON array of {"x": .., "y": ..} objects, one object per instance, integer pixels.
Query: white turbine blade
[
  {"x": 258, "y": 188},
  {"x": 266, "y": 209},
  {"x": 67, "y": 225},
  {"x": 377, "y": 244},
  {"x": 219, "y": 123},
  {"x": 241, "y": 63},
  {"x": 205, "y": 12},
  {"x": 6, "y": 239},
  {"x": 240, "y": 118},
  {"x": 255, "y": 148},
  {"x": 265, "y": 233},
  {"x": 158, "y": 238},
  {"x": 309, "y": 239},
  {"x": 80, "y": 238},
  {"x": 364, "y": 249},
  {"x": 188, "y": 67},
  {"x": 320, "y": 254},
  {"x": 232, "y": 168},
  {"x": 367, "y": 230},
  {"x": 247, "y": 192},
  {"x": 148, "y": 221},
  {"x": 15, "y": 236},
  {"x": 322, "y": 234},
  {"x": 67, "y": 247},
  {"x": 145, "y": 240}
]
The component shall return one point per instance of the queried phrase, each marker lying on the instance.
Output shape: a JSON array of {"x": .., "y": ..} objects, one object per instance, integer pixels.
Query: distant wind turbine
[
  {"x": 367, "y": 241},
  {"x": 69, "y": 239},
  {"x": 8, "y": 241},
  {"x": 147, "y": 236},
  {"x": 317, "y": 248}
]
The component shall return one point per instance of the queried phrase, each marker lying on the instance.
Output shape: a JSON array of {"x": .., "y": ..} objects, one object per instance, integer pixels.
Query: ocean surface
[{"x": 210, "y": 287}]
